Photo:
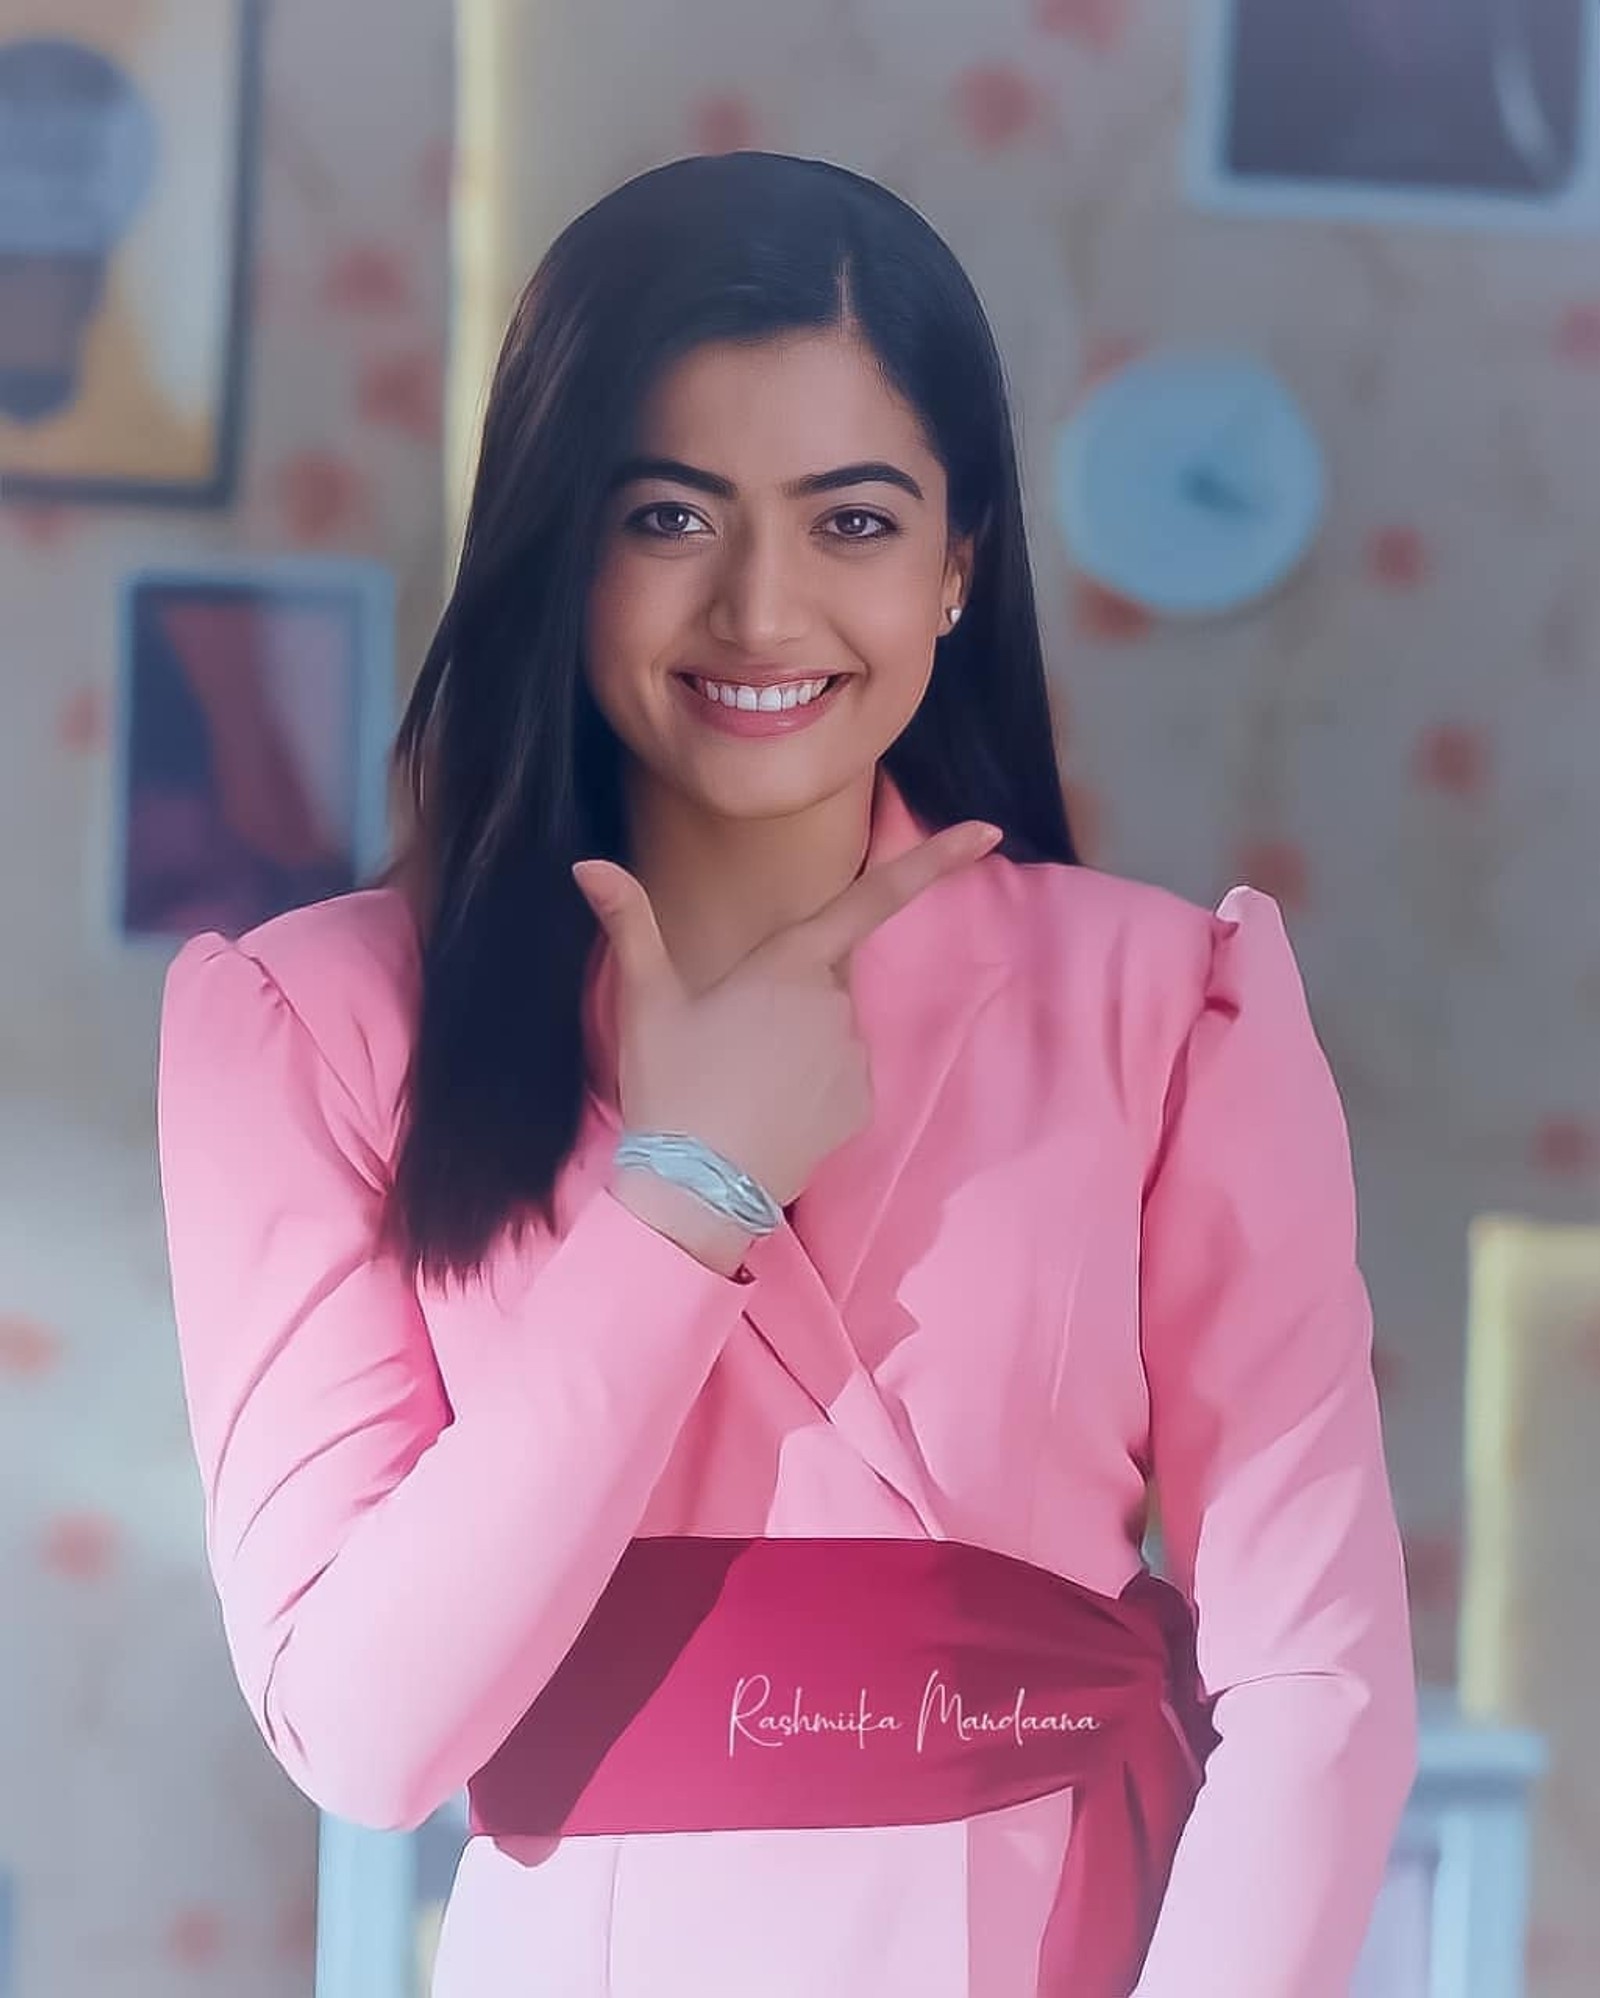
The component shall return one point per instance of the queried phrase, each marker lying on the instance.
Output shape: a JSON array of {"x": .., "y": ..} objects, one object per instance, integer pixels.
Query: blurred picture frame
[
  {"x": 1467, "y": 114},
  {"x": 254, "y": 717},
  {"x": 127, "y": 162}
]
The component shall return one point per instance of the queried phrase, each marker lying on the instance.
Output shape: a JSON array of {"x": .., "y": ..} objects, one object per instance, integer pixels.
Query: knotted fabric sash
[{"x": 753, "y": 1684}]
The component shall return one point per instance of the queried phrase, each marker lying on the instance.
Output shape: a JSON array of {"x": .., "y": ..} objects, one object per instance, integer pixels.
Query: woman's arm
[
  {"x": 1274, "y": 1496},
  {"x": 396, "y": 1587}
]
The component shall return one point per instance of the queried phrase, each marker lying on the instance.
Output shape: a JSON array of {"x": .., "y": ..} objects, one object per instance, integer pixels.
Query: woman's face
[{"x": 781, "y": 524}]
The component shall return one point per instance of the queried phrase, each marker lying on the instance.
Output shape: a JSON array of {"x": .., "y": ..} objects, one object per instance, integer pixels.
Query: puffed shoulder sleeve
[
  {"x": 396, "y": 1584},
  {"x": 1275, "y": 1505}
]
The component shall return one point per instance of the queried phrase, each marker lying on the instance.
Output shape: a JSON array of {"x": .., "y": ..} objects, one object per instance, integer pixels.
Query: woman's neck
[{"x": 722, "y": 886}]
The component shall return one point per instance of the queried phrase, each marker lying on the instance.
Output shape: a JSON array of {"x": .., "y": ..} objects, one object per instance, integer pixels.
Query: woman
[{"x": 684, "y": 1292}]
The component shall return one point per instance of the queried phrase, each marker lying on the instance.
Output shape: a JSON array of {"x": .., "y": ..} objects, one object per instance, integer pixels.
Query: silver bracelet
[{"x": 718, "y": 1182}]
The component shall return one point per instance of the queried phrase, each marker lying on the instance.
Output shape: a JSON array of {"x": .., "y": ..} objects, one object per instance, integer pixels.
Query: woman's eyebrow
[
  {"x": 872, "y": 472},
  {"x": 875, "y": 472}
]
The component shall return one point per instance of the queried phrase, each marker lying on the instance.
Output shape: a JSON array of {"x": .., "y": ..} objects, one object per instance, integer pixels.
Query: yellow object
[
  {"x": 430, "y": 1920},
  {"x": 1530, "y": 1616}
]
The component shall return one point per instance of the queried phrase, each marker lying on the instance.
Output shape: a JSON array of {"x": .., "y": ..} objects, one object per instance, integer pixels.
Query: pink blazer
[{"x": 1100, "y": 1232}]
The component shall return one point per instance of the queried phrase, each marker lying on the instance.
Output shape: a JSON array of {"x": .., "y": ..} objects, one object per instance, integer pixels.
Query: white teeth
[{"x": 766, "y": 700}]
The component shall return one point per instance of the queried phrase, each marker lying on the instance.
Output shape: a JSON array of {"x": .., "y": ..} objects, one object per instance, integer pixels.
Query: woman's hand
[{"x": 767, "y": 1066}]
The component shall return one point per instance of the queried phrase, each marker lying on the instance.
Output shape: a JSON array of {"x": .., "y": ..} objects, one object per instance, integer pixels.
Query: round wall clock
[{"x": 1190, "y": 483}]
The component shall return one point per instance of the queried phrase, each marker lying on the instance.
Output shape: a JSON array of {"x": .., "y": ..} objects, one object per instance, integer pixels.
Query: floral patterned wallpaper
[
  {"x": 148, "y": 1846},
  {"x": 1399, "y": 747}
]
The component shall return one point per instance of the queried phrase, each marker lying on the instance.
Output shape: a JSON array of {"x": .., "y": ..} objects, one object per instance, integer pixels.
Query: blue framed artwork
[
  {"x": 254, "y": 715},
  {"x": 1447, "y": 113}
]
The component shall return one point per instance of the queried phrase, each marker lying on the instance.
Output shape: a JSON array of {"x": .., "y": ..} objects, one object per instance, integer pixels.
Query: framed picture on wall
[
  {"x": 1466, "y": 113},
  {"x": 254, "y": 716},
  {"x": 126, "y": 147}
]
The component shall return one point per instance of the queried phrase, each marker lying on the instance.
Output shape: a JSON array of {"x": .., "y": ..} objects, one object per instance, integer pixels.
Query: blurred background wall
[
  {"x": 153, "y": 1848},
  {"x": 1400, "y": 748}
]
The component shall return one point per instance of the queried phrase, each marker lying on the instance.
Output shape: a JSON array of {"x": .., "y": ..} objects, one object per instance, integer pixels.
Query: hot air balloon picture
[{"x": 126, "y": 137}]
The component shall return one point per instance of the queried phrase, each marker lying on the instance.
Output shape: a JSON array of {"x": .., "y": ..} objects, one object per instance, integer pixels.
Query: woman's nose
[{"x": 759, "y": 599}]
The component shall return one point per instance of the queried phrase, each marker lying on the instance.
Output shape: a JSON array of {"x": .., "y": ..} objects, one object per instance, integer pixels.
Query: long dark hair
[{"x": 508, "y": 770}]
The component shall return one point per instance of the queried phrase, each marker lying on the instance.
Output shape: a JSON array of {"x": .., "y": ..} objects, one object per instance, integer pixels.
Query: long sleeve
[
  {"x": 396, "y": 1585},
  {"x": 1274, "y": 1498}
]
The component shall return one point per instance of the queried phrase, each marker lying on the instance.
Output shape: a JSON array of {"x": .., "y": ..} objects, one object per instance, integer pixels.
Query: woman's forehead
[{"x": 781, "y": 408}]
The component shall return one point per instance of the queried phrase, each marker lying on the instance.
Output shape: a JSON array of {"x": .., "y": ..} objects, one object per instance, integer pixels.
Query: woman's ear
[{"x": 958, "y": 574}]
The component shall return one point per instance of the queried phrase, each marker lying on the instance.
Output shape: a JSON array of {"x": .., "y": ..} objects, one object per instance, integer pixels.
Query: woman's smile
[{"x": 747, "y": 708}]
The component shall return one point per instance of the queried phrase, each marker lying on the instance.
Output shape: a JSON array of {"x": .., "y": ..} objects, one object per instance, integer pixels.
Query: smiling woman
[
  {"x": 748, "y": 431},
  {"x": 743, "y": 1209},
  {"x": 761, "y": 579}
]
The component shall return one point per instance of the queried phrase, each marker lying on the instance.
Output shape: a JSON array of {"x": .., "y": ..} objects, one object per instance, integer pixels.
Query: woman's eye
[
  {"x": 671, "y": 520},
  {"x": 666, "y": 521},
  {"x": 855, "y": 525}
]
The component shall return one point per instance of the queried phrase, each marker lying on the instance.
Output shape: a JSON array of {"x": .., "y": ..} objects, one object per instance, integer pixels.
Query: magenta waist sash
[{"x": 733, "y": 1684}]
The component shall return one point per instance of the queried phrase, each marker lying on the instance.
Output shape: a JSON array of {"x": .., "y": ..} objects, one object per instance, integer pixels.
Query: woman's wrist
[{"x": 711, "y": 1238}]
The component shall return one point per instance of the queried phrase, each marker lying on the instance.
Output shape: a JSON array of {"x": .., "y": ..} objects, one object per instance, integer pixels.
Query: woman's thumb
[{"x": 623, "y": 911}]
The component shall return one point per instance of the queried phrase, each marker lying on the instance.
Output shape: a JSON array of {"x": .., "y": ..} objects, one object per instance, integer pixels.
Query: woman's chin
[{"x": 781, "y": 781}]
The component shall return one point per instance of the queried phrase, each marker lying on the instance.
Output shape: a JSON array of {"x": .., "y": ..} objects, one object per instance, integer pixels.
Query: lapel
[{"x": 919, "y": 983}]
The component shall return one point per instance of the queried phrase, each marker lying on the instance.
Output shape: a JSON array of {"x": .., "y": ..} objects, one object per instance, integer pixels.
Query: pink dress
[{"x": 1101, "y": 1232}]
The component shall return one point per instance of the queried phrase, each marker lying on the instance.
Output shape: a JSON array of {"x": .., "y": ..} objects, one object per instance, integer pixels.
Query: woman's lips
[{"x": 757, "y": 721}]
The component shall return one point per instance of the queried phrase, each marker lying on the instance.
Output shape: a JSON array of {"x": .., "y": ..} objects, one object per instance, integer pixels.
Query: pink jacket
[{"x": 1100, "y": 1232}]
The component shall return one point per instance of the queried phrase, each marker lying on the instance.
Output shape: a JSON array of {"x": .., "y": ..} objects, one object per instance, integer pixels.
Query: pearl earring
[{"x": 954, "y": 615}]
